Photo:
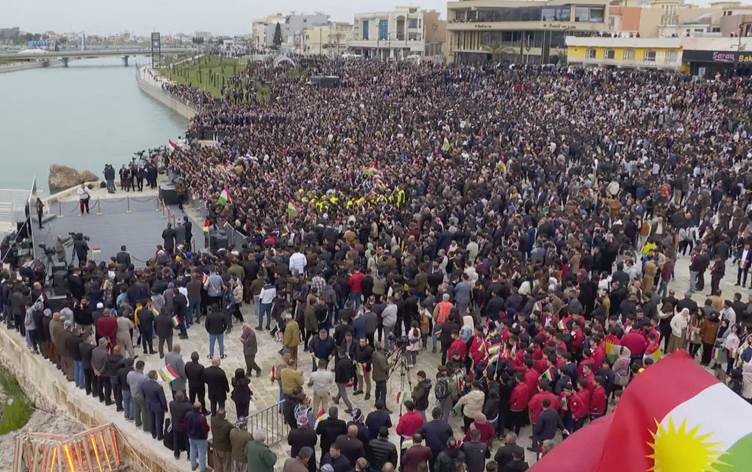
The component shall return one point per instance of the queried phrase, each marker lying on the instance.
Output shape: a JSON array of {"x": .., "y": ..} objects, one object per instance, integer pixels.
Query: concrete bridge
[{"x": 64, "y": 56}]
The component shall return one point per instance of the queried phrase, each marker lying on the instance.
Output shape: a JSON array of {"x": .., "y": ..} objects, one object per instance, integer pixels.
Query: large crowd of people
[{"x": 524, "y": 224}]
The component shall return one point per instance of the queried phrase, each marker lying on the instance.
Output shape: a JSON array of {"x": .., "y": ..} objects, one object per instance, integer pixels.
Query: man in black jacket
[
  {"x": 343, "y": 370},
  {"x": 179, "y": 408},
  {"x": 505, "y": 454},
  {"x": 163, "y": 328},
  {"x": 436, "y": 434},
  {"x": 194, "y": 372},
  {"x": 363, "y": 355},
  {"x": 546, "y": 426},
  {"x": 303, "y": 436},
  {"x": 330, "y": 429},
  {"x": 217, "y": 386},
  {"x": 85, "y": 347},
  {"x": 475, "y": 452},
  {"x": 115, "y": 362},
  {"x": 380, "y": 450},
  {"x": 216, "y": 325},
  {"x": 421, "y": 392},
  {"x": 123, "y": 257},
  {"x": 351, "y": 447},
  {"x": 146, "y": 326},
  {"x": 124, "y": 388},
  {"x": 156, "y": 404}
]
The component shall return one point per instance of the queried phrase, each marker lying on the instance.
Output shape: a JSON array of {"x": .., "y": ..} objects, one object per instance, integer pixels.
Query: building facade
[
  {"x": 519, "y": 31},
  {"x": 398, "y": 34},
  {"x": 700, "y": 56},
  {"x": 637, "y": 53},
  {"x": 329, "y": 40},
  {"x": 675, "y": 18},
  {"x": 291, "y": 28}
]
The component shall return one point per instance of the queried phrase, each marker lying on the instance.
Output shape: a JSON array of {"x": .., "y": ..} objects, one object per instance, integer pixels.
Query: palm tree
[{"x": 495, "y": 50}]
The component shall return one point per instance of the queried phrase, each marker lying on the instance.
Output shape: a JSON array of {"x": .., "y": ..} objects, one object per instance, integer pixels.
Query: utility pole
[{"x": 739, "y": 46}]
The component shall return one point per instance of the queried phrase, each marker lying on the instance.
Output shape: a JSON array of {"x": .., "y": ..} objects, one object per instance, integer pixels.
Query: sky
[{"x": 227, "y": 17}]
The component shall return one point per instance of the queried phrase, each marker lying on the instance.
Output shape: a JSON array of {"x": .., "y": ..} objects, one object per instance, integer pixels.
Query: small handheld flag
[{"x": 168, "y": 373}]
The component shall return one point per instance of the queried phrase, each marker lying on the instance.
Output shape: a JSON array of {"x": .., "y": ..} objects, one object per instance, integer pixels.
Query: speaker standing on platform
[
  {"x": 40, "y": 211},
  {"x": 83, "y": 199}
]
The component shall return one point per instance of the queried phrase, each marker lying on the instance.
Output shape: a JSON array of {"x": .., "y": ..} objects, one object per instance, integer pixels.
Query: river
[{"x": 84, "y": 116}]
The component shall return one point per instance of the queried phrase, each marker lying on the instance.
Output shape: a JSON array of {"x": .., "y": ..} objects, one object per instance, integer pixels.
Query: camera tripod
[{"x": 398, "y": 360}]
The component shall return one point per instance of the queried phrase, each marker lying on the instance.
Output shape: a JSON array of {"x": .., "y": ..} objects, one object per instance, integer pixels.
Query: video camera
[{"x": 398, "y": 342}]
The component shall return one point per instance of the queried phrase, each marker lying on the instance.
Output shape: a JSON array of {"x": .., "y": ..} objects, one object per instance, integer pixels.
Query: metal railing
[{"x": 272, "y": 422}]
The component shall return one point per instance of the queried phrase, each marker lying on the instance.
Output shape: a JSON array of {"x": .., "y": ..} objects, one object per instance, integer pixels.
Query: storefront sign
[
  {"x": 725, "y": 57},
  {"x": 719, "y": 56}
]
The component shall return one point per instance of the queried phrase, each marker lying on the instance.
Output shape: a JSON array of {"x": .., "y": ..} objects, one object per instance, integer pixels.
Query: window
[
  {"x": 589, "y": 15},
  {"x": 591, "y": 53},
  {"x": 596, "y": 15},
  {"x": 556, "y": 14},
  {"x": 365, "y": 30},
  {"x": 629, "y": 54},
  {"x": 383, "y": 29},
  {"x": 650, "y": 56},
  {"x": 412, "y": 23},
  {"x": 413, "y": 36},
  {"x": 610, "y": 54},
  {"x": 671, "y": 56}
]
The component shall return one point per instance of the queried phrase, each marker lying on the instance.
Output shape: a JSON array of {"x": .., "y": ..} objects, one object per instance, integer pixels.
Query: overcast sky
[{"x": 173, "y": 16}]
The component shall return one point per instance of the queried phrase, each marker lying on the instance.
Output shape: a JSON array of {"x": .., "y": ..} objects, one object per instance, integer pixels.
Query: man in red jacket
[
  {"x": 107, "y": 328},
  {"x": 531, "y": 377},
  {"x": 518, "y": 401},
  {"x": 535, "y": 405},
  {"x": 457, "y": 346},
  {"x": 636, "y": 343},
  {"x": 410, "y": 421},
  {"x": 355, "y": 281},
  {"x": 580, "y": 405},
  {"x": 598, "y": 399}
]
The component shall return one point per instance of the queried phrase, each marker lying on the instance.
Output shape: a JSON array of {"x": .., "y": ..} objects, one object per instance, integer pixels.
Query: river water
[{"x": 83, "y": 116}]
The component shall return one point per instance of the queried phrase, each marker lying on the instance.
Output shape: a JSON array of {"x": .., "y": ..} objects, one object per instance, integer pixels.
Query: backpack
[{"x": 442, "y": 389}]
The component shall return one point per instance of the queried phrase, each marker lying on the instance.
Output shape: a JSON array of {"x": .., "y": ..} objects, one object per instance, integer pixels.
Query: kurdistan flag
[{"x": 674, "y": 417}]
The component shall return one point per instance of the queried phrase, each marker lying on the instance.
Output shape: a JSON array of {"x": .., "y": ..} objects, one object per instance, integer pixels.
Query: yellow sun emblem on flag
[{"x": 683, "y": 450}]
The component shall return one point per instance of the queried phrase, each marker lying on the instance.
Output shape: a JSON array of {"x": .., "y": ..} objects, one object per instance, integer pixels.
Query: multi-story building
[
  {"x": 291, "y": 28},
  {"x": 330, "y": 40},
  {"x": 675, "y": 18},
  {"x": 519, "y": 31},
  {"x": 642, "y": 53},
  {"x": 398, "y": 34},
  {"x": 262, "y": 31},
  {"x": 702, "y": 56}
]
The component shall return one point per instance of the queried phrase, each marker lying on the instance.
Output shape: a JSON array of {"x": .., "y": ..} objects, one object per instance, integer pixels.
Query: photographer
[
  {"x": 380, "y": 372},
  {"x": 80, "y": 247}
]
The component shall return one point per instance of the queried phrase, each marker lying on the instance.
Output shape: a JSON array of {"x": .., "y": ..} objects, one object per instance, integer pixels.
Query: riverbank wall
[
  {"x": 19, "y": 66},
  {"x": 152, "y": 86},
  {"x": 48, "y": 388}
]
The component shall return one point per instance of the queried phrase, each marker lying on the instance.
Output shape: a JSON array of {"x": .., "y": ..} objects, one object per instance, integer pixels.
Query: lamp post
[{"x": 739, "y": 46}]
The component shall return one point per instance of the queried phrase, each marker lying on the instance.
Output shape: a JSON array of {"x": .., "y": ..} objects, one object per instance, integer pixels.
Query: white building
[
  {"x": 398, "y": 34},
  {"x": 291, "y": 29}
]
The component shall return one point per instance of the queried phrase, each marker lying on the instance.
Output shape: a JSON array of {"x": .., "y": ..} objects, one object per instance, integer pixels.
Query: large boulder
[{"x": 64, "y": 177}]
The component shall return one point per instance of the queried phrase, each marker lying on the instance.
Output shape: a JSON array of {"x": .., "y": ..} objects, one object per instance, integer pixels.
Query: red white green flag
[
  {"x": 674, "y": 417},
  {"x": 168, "y": 373}
]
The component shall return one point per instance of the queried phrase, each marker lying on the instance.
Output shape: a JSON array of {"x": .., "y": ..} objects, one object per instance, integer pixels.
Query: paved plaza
[{"x": 141, "y": 231}]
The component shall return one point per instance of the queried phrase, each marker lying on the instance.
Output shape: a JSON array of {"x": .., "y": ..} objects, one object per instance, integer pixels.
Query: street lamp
[{"x": 739, "y": 45}]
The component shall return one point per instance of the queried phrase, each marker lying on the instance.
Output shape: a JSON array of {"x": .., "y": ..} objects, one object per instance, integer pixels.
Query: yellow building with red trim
[{"x": 634, "y": 53}]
